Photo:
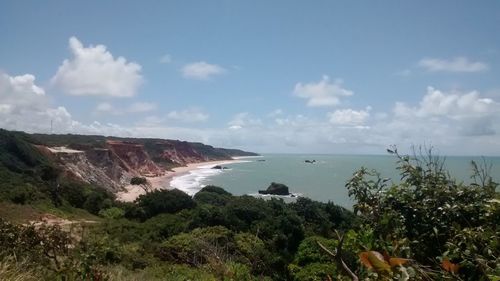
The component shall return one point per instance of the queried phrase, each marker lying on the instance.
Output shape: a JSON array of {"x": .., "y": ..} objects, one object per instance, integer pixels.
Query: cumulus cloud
[
  {"x": 201, "y": 70},
  {"x": 190, "y": 115},
  {"x": 448, "y": 115},
  {"x": 455, "y": 122},
  {"x": 349, "y": 117},
  {"x": 93, "y": 71},
  {"x": 24, "y": 85},
  {"x": 458, "y": 64},
  {"x": 452, "y": 105},
  {"x": 24, "y": 106},
  {"x": 322, "y": 93}
]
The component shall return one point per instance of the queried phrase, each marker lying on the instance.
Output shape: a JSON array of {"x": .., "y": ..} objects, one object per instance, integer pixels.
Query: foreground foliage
[{"x": 446, "y": 226}]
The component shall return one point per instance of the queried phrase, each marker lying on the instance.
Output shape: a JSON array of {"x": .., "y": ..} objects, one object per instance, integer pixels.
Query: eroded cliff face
[
  {"x": 111, "y": 168},
  {"x": 177, "y": 152},
  {"x": 94, "y": 166},
  {"x": 115, "y": 163},
  {"x": 134, "y": 158}
]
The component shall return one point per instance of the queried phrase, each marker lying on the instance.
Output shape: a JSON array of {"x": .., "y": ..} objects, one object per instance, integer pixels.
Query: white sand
[{"x": 163, "y": 182}]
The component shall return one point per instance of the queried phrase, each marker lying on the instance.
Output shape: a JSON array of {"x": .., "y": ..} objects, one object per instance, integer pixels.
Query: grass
[
  {"x": 12, "y": 270},
  {"x": 17, "y": 213}
]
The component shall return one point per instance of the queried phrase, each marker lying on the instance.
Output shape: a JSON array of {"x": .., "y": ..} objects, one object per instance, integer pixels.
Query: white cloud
[
  {"x": 322, "y": 93},
  {"x": 166, "y": 59},
  {"x": 444, "y": 116},
  {"x": 201, "y": 70},
  {"x": 20, "y": 91},
  {"x": 24, "y": 106},
  {"x": 349, "y": 117},
  {"x": 452, "y": 105},
  {"x": 24, "y": 84},
  {"x": 455, "y": 122},
  {"x": 94, "y": 71},
  {"x": 458, "y": 64},
  {"x": 190, "y": 115}
]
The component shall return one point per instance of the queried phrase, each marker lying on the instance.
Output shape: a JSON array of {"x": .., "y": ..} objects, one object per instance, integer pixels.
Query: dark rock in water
[
  {"x": 276, "y": 189},
  {"x": 261, "y": 160},
  {"x": 218, "y": 167},
  {"x": 310, "y": 161}
]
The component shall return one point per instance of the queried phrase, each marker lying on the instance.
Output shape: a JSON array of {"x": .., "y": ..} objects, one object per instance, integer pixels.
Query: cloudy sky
[{"x": 267, "y": 76}]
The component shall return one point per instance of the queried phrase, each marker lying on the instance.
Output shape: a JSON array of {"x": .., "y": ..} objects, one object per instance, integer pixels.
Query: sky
[{"x": 266, "y": 76}]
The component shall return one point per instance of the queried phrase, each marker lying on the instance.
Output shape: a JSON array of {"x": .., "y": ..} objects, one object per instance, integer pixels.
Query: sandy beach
[{"x": 163, "y": 182}]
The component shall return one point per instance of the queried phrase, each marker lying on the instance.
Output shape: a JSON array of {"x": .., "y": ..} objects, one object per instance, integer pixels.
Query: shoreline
[{"x": 163, "y": 182}]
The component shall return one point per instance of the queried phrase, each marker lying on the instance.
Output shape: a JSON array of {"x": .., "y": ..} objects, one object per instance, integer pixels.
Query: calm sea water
[{"x": 323, "y": 181}]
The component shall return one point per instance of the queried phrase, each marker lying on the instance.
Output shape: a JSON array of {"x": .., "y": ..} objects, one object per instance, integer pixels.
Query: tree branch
[{"x": 337, "y": 257}]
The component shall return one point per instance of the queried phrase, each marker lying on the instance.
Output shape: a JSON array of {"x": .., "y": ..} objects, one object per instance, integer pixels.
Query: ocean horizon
[{"x": 324, "y": 180}]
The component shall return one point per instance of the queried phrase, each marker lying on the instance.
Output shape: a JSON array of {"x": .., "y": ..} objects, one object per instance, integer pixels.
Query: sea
[{"x": 323, "y": 180}]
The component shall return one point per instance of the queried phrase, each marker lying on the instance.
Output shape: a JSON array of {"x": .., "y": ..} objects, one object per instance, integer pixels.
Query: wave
[
  {"x": 193, "y": 181},
  {"x": 247, "y": 157}
]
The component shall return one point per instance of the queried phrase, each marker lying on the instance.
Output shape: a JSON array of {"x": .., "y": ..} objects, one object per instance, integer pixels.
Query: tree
[
  {"x": 164, "y": 201},
  {"x": 138, "y": 181}
]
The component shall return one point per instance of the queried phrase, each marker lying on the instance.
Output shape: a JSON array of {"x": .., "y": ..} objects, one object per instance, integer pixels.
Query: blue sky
[{"x": 268, "y": 76}]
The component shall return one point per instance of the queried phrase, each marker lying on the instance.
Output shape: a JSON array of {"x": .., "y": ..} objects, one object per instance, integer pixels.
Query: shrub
[
  {"x": 164, "y": 201},
  {"x": 430, "y": 214},
  {"x": 112, "y": 213},
  {"x": 138, "y": 181},
  {"x": 212, "y": 195}
]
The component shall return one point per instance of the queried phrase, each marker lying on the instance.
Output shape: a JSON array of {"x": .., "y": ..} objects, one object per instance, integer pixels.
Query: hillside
[{"x": 107, "y": 162}]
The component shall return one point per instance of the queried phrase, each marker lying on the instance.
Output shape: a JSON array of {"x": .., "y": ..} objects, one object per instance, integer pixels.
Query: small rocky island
[
  {"x": 276, "y": 189},
  {"x": 218, "y": 167}
]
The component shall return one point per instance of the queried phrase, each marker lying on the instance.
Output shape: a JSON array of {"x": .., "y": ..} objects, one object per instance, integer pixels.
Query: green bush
[
  {"x": 164, "y": 201},
  {"x": 112, "y": 213},
  {"x": 212, "y": 195},
  {"x": 163, "y": 226},
  {"x": 430, "y": 216},
  {"x": 138, "y": 181}
]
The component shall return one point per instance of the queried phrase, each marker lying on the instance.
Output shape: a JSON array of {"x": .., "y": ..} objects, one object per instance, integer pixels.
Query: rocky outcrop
[
  {"x": 276, "y": 189},
  {"x": 219, "y": 167}
]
